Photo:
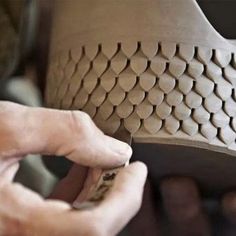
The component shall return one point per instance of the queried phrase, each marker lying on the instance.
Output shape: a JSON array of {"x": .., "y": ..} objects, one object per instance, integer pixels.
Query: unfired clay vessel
[{"x": 157, "y": 67}]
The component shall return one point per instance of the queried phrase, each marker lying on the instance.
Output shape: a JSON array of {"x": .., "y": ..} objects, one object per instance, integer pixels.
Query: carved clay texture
[{"x": 155, "y": 89}]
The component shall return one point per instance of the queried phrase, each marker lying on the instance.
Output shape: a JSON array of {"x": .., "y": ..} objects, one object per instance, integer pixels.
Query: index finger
[{"x": 62, "y": 133}]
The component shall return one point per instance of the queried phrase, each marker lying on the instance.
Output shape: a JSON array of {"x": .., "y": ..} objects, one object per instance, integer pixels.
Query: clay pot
[{"x": 156, "y": 67}]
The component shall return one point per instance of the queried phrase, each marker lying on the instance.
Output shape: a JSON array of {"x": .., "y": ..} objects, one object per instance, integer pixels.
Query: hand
[
  {"x": 183, "y": 211},
  {"x": 26, "y": 130}
]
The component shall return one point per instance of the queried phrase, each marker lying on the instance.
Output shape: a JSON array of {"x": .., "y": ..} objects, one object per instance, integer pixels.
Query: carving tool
[{"x": 106, "y": 180}]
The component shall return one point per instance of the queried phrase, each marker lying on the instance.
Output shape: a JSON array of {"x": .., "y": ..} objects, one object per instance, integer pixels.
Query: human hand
[
  {"x": 182, "y": 211},
  {"x": 26, "y": 130}
]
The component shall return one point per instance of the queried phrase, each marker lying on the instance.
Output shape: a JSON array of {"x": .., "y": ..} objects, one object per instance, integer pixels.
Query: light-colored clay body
[{"x": 156, "y": 66}]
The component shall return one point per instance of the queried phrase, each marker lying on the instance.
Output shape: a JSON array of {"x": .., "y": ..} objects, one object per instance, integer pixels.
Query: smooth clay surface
[{"x": 157, "y": 67}]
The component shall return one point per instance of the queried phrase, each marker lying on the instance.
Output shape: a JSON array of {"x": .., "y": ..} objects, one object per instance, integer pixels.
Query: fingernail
[{"x": 121, "y": 148}]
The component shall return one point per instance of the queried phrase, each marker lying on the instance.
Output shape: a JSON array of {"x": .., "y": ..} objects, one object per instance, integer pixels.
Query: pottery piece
[{"x": 158, "y": 67}]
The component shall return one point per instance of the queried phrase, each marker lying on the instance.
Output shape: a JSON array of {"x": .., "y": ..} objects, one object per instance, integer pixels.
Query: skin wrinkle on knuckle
[
  {"x": 88, "y": 125},
  {"x": 76, "y": 121},
  {"x": 75, "y": 141},
  {"x": 80, "y": 120},
  {"x": 74, "y": 128},
  {"x": 82, "y": 126}
]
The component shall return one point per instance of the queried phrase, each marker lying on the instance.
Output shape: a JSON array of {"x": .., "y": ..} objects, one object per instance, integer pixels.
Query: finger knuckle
[
  {"x": 81, "y": 122},
  {"x": 85, "y": 124},
  {"x": 83, "y": 116}
]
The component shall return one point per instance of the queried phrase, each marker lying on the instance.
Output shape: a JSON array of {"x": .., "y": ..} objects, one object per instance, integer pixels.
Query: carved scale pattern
[{"x": 156, "y": 89}]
